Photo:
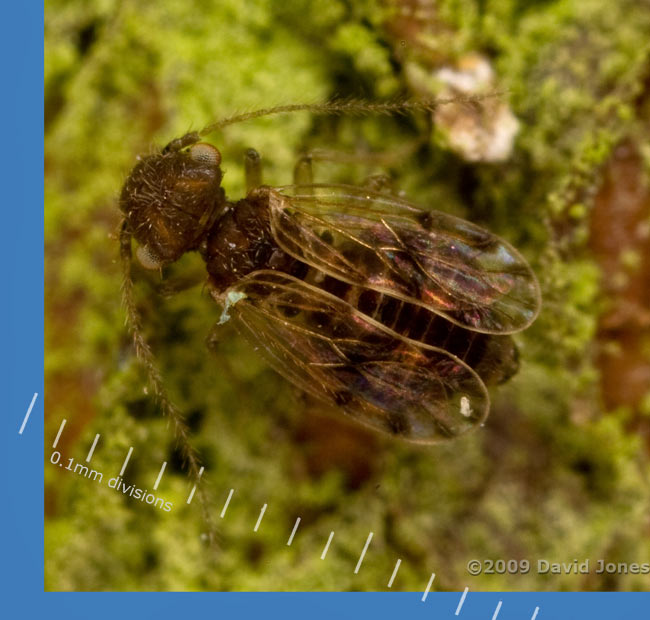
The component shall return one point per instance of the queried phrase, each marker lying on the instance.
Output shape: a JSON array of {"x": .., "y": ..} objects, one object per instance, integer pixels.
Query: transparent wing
[
  {"x": 330, "y": 350},
  {"x": 446, "y": 264}
]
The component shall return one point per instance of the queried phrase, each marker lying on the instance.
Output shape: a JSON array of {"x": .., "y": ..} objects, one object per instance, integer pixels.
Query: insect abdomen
[{"x": 494, "y": 358}]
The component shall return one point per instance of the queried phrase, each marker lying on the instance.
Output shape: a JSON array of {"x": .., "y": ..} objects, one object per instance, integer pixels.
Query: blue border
[
  {"x": 348, "y": 606},
  {"x": 21, "y": 41},
  {"x": 21, "y": 362}
]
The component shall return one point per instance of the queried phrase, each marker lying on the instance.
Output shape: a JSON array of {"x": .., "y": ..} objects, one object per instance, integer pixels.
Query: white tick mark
[
  {"x": 225, "y": 506},
  {"x": 92, "y": 448},
  {"x": 31, "y": 405},
  {"x": 392, "y": 577},
  {"x": 327, "y": 546},
  {"x": 462, "y": 600},
  {"x": 363, "y": 553},
  {"x": 58, "y": 435},
  {"x": 426, "y": 592},
  {"x": 189, "y": 499},
  {"x": 293, "y": 532},
  {"x": 259, "y": 520}
]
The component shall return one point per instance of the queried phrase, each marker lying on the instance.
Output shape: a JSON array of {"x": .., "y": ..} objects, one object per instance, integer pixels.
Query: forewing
[
  {"x": 450, "y": 266},
  {"x": 330, "y": 350}
]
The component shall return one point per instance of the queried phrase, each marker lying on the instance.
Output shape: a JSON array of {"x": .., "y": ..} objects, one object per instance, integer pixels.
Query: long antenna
[
  {"x": 145, "y": 355},
  {"x": 357, "y": 107},
  {"x": 350, "y": 106}
]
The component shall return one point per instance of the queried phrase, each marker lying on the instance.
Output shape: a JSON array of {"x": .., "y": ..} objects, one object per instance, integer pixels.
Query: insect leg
[
  {"x": 169, "y": 288},
  {"x": 213, "y": 338},
  {"x": 303, "y": 173},
  {"x": 381, "y": 183},
  {"x": 252, "y": 169}
]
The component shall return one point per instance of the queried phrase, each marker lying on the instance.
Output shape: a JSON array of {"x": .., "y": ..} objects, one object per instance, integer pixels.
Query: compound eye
[
  {"x": 206, "y": 154},
  {"x": 147, "y": 258}
]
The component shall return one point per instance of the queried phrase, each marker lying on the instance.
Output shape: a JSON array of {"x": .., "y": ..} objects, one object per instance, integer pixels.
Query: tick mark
[
  {"x": 225, "y": 506},
  {"x": 160, "y": 473},
  {"x": 426, "y": 592},
  {"x": 29, "y": 410},
  {"x": 462, "y": 600},
  {"x": 259, "y": 519},
  {"x": 327, "y": 546},
  {"x": 58, "y": 435},
  {"x": 365, "y": 548},
  {"x": 126, "y": 460},
  {"x": 189, "y": 499},
  {"x": 92, "y": 448},
  {"x": 392, "y": 577},
  {"x": 293, "y": 532}
]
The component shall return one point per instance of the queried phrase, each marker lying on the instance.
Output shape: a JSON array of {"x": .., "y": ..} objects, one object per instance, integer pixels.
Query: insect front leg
[
  {"x": 252, "y": 169},
  {"x": 172, "y": 286}
]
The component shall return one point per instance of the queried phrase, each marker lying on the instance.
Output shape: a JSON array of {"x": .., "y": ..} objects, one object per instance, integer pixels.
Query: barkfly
[{"x": 395, "y": 315}]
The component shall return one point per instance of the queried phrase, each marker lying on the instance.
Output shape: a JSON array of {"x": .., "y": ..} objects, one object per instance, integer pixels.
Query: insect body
[{"x": 397, "y": 316}]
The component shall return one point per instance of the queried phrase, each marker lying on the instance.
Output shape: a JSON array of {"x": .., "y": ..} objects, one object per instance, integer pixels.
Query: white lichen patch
[
  {"x": 231, "y": 299},
  {"x": 481, "y": 132},
  {"x": 465, "y": 407}
]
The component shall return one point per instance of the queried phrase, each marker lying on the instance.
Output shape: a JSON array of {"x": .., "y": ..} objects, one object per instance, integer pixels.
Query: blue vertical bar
[{"x": 21, "y": 259}]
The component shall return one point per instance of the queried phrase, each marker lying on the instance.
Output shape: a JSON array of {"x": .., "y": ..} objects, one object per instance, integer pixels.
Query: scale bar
[
  {"x": 126, "y": 460},
  {"x": 426, "y": 592},
  {"x": 327, "y": 546},
  {"x": 29, "y": 410},
  {"x": 160, "y": 473},
  {"x": 191, "y": 495},
  {"x": 462, "y": 600},
  {"x": 58, "y": 435},
  {"x": 259, "y": 519},
  {"x": 392, "y": 577},
  {"x": 293, "y": 532},
  {"x": 92, "y": 448},
  {"x": 496, "y": 611},
  {"x": 225, "y": 506},
  {"x": 535, "y": 613},
  {"x": 365, "y": 548}
]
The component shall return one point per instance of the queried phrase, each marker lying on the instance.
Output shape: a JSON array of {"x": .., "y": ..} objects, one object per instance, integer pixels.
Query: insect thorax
[{"x": 241, "y": 242}]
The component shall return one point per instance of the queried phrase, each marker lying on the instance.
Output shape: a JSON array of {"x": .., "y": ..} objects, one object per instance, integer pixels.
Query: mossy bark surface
[{"x": 559, "y": 471}]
